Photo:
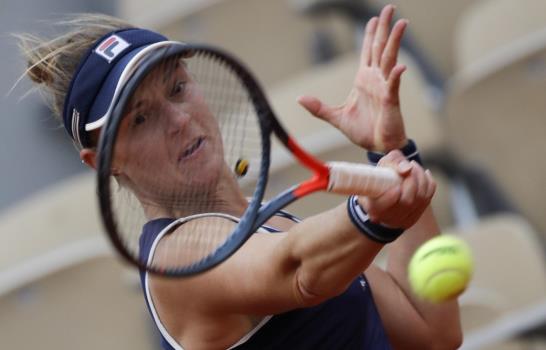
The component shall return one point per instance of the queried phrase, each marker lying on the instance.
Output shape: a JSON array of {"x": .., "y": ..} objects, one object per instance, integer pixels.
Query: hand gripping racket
[{"x": 188, "y": 125}]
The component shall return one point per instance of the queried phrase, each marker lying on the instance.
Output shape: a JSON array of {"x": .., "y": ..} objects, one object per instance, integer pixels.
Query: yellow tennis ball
[{"x": 441, "y": 268}]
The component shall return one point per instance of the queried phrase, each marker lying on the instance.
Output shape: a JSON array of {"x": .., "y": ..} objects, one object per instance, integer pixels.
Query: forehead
[
  {"x": 161, "y": 74},
  {"x": 164, "y": 69}
]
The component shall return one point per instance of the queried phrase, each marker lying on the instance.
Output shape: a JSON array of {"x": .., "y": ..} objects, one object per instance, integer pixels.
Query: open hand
[{"x": 370, "y": 116}]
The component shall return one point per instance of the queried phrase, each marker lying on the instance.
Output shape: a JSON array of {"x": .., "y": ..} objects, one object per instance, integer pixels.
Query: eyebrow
[
  {"x": 173, "y": 65},
  {"x": 134, "y": 106}
]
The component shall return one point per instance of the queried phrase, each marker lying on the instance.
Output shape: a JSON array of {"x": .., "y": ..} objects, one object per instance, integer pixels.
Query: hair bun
[{"x": 52, "y": 62}]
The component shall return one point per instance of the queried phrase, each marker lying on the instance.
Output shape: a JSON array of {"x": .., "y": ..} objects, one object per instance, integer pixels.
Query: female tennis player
[{"x": 307, "y": 284}]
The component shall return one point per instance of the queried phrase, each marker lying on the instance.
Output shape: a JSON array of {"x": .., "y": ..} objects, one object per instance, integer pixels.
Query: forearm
[
  {"x": 330, "y": 252},
  {"x": 442, "y": 320},
  {"x": 401, "y": 251}
]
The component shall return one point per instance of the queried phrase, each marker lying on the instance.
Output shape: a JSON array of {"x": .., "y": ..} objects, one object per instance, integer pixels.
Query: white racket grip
[{"x": 360, "y": 179}]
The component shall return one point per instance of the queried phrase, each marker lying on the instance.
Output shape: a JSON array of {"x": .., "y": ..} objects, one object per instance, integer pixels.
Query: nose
[{"x": 176, "y": 118}]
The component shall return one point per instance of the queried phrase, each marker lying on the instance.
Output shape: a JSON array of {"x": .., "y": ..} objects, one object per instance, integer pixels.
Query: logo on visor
[{"x": 111, "y": 47}]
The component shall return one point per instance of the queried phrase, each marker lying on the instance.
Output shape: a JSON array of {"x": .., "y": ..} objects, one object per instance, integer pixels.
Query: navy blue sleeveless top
[{"x": 348, "y": 321}]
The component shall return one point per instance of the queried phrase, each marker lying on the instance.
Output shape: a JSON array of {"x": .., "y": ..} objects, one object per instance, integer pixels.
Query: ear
[{"x": 89, "y": 157}]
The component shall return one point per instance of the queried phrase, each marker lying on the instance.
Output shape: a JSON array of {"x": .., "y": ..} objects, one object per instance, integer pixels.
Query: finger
[
  {"x": 412, "y": 218},
  {"x": 392, "y": 159},
  {"x": 393, "y": 81},
  {"x": 404, "y": 168},
  {"x": 390, "y": 53},
  {"x": 409, "y": 190},
  {"x": 396, "y": 160},
  {"x": 378, "y": 208},
  {"x": 319, "y": 109},
  {"x": 366, "y": 53},
  {"x": 431, "y": 189},
  {"x": 381, "y": 34},
  {"x": 415, "y": 212},
  {"x": 422, "y": 182},
  {"x": 404, "y": 213},
  {"x": 407, "y": 216},
  {"x": 390, "y": 213}
]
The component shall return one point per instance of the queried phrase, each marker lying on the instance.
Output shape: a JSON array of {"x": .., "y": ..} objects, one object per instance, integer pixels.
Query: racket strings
[
  {"x": 224, "y": 89},
  {"x": 192, "y": 241},
  {"x": 195, "y": 186}
]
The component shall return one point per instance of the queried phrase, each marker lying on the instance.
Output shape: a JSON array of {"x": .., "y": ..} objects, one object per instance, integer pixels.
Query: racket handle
[{"x": 360, "y": 179}]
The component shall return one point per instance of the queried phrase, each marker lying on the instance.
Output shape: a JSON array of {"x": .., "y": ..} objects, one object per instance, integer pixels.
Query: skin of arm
[{"x": 409, "y": 321}]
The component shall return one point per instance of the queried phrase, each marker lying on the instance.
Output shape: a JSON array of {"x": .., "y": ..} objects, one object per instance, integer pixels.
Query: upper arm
[{"x": 260, "y": 278}]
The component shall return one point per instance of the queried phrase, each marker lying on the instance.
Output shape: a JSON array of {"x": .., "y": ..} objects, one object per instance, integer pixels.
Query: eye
[
  {"x": 178, "y": 88},
  {"x": 139, "y": 119}
]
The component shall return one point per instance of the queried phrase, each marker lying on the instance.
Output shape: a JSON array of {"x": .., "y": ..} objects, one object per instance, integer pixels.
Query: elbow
[
  {"x": 307, "y": 295},
  {"x": 447, "y": 339},
  {"x": 455, "y": 339},
  {"x": 448, "y": 336}
]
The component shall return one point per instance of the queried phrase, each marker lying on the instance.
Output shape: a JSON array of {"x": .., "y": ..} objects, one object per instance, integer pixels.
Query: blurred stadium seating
[
  {"x": 93, "y": 303},
  {"x": 60, "y": 285},
  {"x": 497, "y": 90}
]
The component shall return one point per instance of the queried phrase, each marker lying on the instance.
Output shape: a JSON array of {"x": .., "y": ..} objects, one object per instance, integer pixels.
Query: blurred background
[{"x": 473, "y": 99}]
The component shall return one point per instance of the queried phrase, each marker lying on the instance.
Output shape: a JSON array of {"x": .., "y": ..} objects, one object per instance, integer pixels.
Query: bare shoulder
[
  {"x": 226, "y": 288},
  {"x": 192, "y": 239},
  {"x": 225, "y": 301}
]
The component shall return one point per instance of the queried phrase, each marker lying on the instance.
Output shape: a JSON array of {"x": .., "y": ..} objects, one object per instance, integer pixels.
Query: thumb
[
  {"x": 319, "y": 109},
  {"x": 396, "y": 160}
]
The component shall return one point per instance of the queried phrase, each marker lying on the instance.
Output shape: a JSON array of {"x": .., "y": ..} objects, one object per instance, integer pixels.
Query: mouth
[{"x": 193, "y": 148}]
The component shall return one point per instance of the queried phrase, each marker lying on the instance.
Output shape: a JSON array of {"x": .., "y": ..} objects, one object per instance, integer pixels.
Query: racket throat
[
  {"x": 317, "y": 183},
  {"x": 271, "y": 208},
  {"x": 321, "y": 172}
]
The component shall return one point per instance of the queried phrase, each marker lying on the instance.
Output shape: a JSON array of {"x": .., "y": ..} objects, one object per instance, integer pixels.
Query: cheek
[
  {"x": 148, "y": 156},
  {"x": 139, "y": 156},
  {"x": 206, "y": 120}
]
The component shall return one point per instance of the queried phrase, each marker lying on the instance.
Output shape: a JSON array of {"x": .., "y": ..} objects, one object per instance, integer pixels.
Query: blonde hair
[{"x": 52, "y": 62}]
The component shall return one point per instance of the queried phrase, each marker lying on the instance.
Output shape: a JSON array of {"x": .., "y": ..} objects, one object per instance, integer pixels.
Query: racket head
[{"x": 132, "y": 186}]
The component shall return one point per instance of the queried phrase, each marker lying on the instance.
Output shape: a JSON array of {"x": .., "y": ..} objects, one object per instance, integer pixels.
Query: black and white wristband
[
  {"x": 376, "y": 232},
  {"x": 409, "y": 151}
]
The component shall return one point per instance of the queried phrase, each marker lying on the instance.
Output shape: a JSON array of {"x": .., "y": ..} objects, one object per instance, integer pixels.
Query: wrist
[
  {"x": 409, "y": 150},
  {"x": 386, "y": 147},
  {"x": 376, "y": 232},
  {"x": 384, "y": 143}
]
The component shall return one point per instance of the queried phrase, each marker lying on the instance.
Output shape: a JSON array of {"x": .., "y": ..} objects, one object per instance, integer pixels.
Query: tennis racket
[{"x": 189, "y": 130}]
